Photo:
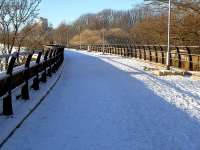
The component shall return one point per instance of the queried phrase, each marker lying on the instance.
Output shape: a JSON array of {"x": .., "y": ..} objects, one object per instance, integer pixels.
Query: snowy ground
[
  {"x": 22, "y": 108},
  {"x": 183, "y": 92},
  {"x": 105, "y": 102}
]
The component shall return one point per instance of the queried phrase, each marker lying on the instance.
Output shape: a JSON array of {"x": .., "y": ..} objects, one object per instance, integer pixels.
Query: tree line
[
  {"x": 143, "y": 24},
  {"x": 21, "y": 27}
]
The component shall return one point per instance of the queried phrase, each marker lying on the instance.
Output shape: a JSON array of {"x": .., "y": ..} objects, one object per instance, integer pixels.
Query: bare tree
[
  {"x": 41, "y": 33},
  {"x": 185, "y": 5},
  {"x": 14, "y": 15},
  {"x": 23, "y": 35},
  {"x": 61, "y": 34}
]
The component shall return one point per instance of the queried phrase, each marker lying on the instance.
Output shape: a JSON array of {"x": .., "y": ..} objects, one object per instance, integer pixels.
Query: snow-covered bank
[
  {"x": 98, "y": 104},
  {"x": 23, "y": 108}
]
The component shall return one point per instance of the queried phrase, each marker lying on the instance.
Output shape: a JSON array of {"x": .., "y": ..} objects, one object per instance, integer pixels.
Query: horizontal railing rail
[
  {"x": 35, "y": 65},
  {"x": 184, "y": 57}
]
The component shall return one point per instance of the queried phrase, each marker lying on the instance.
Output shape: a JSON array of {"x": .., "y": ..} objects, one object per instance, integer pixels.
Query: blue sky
[{"x": 69, "y": 10}]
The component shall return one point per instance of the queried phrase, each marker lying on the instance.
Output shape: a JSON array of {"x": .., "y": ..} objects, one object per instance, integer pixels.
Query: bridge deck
[{"x": 96, "y": 106}]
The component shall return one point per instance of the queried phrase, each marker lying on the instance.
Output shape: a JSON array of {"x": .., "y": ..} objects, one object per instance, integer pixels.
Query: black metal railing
[{"x": 21, "y": 67}]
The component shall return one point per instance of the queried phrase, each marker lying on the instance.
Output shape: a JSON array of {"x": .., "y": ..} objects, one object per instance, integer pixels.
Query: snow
[
  {"x": 106, "y": 102},
  {"x": 183, "y": 92},
  {"x": 22, "y": 108}
]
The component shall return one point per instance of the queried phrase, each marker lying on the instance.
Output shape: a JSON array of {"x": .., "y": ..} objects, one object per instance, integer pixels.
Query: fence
[
  {"x": 184, "y": 57},
  {"x": 22, "y": 67}
]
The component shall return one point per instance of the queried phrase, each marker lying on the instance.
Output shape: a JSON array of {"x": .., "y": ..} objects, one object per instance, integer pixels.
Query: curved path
[{"x": 95, "y": 106}]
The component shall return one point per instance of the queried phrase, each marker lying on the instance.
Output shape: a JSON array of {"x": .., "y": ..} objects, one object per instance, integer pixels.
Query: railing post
[
  {"x": 98, "y": 49},
  {"x": 49, "y": 71},
  {"x": 135, "y": 48},
  {"x": 44, "y": 74},
  {"x": 150, "y": 54},
  {"x": 125, "y": 50},
  {"x": 122, "y": 50},
  {"x": 144, "y": 52},
  {"x": 131, "y": 48},
  {"x": 190, "y": 59},
  {"x": 117, "y": 49},
  {"x": 58, "y": 58},
  {"x": 140, "y": 53},
  {"x": 36, "y": 80},
  {"x": 91, "y": 48},
  {"x": 54, "y": 59},
  {"x": 25, "y": 88},
  {"x": 156, "y": 54},
  {"x": 128, "y": 50},
  {"x": 106, "y": 48},
  {"x": 7, "y": 100},
  {"x": 111, "y": 49},
  {"x": 121, "y": 53},
  {"x": 179, "y": 57},
  {"x": 162, "y": 54}
]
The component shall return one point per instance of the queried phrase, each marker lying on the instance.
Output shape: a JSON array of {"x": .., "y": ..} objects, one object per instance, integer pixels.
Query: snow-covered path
[{"x": 96, "y": 106}]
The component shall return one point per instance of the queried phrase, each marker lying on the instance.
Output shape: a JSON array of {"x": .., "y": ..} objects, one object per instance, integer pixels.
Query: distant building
[{"x": 43, "y": 22}]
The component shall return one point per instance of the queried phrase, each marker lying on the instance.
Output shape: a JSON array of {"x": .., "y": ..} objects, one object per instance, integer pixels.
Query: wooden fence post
[
  {"x": 25, "y": 88},
  {"x": 162, "y": 55},
  {"x": 190, "y": 59},
  {"x": 36, "y": 80},
  {"x": 7, "y": 100},
  {"x": 156, "y": 54},
  {"x": 179, "y": 57},
  {"x": 144, "y": 52}
]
